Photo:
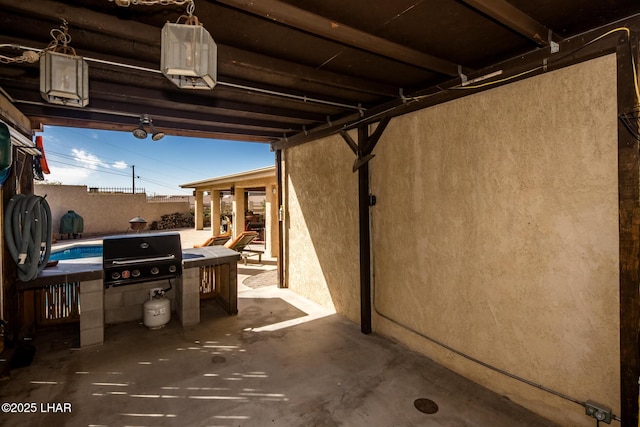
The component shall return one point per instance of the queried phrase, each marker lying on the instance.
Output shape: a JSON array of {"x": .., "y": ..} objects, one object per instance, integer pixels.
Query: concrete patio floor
[{"x": 282, "y": 361}]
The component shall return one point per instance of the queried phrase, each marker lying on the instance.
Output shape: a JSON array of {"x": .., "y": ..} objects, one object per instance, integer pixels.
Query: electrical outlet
[{"x": 597, "y": 411}]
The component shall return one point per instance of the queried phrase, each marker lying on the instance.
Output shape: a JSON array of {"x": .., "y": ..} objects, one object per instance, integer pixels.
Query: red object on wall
[{"x": 43, "y": 159}]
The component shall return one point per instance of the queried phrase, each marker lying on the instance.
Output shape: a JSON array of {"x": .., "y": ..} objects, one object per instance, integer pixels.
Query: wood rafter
[
  {"x": 229, "y": 58},
  {"x": 442, "y": 93},
  {"x": 513, "y": 18},
  {"x": 298, "y": 18}
]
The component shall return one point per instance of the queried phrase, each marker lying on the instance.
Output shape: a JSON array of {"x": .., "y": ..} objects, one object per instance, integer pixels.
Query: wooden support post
[
  {"x": 366, "y": 144},
  {"x": 365, "y": 237},
  {"x": 629, "y": 229},
  {"x": 11, "y": 299},
  {"x": 280, "y": 187}
]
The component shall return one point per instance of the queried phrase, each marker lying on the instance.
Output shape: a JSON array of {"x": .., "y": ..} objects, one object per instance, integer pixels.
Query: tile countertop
[
  {"x": 209, "y": 255},
  {"x": 86, "y": 269}
]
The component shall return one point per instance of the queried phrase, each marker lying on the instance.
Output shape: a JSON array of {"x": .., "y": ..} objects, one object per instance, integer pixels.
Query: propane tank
[{"x": 157, "y": 309}]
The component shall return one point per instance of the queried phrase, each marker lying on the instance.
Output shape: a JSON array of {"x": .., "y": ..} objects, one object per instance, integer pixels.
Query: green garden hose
[{"x": 27, "y": 230}]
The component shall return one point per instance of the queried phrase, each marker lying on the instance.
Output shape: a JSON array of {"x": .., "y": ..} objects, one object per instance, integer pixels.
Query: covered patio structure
[
  {"x": 459, "y": 177},
  {"x": 237, "y": 187}
]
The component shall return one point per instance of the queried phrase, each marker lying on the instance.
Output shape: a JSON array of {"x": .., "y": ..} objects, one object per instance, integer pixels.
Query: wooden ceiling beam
[
  {"x": 22, "y": 88},
  {"x": 183, "y": 118},
  {"x": 133, "y": 34},
  {"x": 231, "y": 58},
  {"x": 85, "y": 19},
  {"x": 235, "y": 106},
  {"x": 513, "y": 18},
  {"x": 301, "y": 19},
  {"x": 102, "y": 125},
  {"x": 84, "y": 118},
  {"x": 126, "y": 110}
]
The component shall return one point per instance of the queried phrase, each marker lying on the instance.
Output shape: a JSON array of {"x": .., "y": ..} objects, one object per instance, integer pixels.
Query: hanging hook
[
  {"x": 191, "y": 8},
  {"x": 61, "y": 39},
  {"x": 190, "y": 18}
]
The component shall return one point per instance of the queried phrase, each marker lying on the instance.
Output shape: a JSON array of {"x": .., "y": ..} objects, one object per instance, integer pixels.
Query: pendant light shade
[
  {"x": 64, "y": 79},
  {"x": 189, "y": 56}
]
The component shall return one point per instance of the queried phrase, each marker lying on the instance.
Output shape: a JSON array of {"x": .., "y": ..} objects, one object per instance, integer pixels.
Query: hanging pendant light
[
  {"x": 64, "y": 76},
  {"x": 189, "y": 54}
]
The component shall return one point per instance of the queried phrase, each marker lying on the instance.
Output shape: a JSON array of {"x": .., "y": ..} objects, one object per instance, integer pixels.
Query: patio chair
[
  {"x": 241, "y": 242},
  {"x": 218, "y": 240}
]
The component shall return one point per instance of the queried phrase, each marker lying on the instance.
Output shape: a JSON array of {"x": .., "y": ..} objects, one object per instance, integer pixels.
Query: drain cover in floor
[
  {"x": 426, "y": 405},
  {"x": 268, "y": 278},
  {"x": 218, "y": 359}
]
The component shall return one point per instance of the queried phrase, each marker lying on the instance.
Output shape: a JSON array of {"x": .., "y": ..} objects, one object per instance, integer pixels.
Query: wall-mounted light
[
  {"x": 141, "y": 133},
  {"x": 64, "y": 76},
  {"x": 188, "y": 55}
]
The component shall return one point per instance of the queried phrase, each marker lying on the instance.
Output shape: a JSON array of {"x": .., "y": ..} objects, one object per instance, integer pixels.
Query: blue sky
[{"x": 97, "y": 158}]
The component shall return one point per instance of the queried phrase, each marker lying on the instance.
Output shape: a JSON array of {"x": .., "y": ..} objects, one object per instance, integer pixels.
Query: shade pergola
[{"x": 238, "y": 185}]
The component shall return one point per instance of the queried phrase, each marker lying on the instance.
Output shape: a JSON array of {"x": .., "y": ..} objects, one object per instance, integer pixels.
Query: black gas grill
[{"x": 137, "y": 258}]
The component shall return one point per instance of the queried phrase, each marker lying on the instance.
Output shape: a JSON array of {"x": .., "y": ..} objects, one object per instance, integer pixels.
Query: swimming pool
[{"x": 75, "y": 252}]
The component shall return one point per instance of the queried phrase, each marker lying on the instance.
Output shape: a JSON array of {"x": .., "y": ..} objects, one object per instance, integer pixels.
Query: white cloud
[
  {"x": 88, "y": 160},
  {"x": 120, "y": 165},
  {"x": 87, "y": 165},
  {"x": 68, "y": 175}
]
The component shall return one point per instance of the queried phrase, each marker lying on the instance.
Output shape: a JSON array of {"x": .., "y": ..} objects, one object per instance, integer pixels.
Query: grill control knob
[
  {"x": 155, "y": 270},
  {"x": 115, "y": 275},
  {"x": 135, "y": 273},
  {"x": 172, "y": 268}
]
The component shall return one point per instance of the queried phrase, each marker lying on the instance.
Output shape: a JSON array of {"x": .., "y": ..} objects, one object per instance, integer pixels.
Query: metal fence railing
[
  {"x": 161, "y": 199},
  {"x": 116, "y": 190}
]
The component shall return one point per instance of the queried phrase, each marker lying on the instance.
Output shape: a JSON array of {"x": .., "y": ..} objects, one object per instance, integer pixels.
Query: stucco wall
[
  {"x": 101, "y": 212},
  {"x": 495, "y": 232},
  {"x": 321, "y": 221}
]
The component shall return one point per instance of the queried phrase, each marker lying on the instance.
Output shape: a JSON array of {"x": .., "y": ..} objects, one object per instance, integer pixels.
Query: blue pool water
[{"x": 74, "y": 252}]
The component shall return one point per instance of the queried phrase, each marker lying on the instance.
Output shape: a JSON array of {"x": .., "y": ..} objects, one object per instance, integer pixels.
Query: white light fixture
[
  {"x": 188, "y": 54},
  {"x": 156, "y": 135},
  {"x": 64, "y": 76},
  {"x": 141, "y": 133}
]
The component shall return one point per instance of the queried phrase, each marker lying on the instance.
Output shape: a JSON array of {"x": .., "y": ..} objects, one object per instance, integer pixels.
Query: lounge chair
[
  {"x": 241, "y": 242},
  {"x": 218, "y": 240}
]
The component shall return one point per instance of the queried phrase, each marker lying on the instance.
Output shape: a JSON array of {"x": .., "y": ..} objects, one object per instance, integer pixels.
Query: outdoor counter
[
  {"x": 65, "y": 272},
  {"x": 210, "y": 270},
  {"x": 209, "y": 255}
]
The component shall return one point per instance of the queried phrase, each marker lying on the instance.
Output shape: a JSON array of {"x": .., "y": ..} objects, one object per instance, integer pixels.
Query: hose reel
[{"x": 27, "y": 230}]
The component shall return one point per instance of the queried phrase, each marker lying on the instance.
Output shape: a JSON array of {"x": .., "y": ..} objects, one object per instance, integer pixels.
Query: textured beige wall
[
  {"x": 322, "y": 258},
  {"x": 104, "y": 213},
  {"x": 495, "y": 232}
]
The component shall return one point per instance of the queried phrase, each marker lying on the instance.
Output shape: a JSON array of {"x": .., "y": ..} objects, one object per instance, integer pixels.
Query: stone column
[
  {"x": 92, "y": 316},
  {"x": 215, "y": 212},
  {"x": 188, "y": 297},
  {"x": 199, "y": 210},
  {"x": 238, "y": 212},
  {"x": 271, "y": 221}
]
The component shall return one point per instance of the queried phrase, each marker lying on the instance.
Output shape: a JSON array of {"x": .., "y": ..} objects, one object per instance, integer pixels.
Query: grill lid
[
  {"x": 141, "y": 247},
  {"x": 129, "y": 259}
]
